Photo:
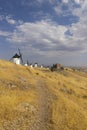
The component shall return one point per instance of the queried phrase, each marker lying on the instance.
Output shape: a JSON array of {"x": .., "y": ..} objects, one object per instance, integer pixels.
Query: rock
[{"x": 26, "y": 107}]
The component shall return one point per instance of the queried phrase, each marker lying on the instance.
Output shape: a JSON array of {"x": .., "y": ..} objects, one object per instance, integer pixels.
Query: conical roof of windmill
[{"x": 16, "y": 56}]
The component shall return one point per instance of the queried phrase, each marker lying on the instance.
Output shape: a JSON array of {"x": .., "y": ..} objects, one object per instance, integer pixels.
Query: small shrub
[
  {"x": 37, "y": 73},
  {"x": 85, "y": 96}
]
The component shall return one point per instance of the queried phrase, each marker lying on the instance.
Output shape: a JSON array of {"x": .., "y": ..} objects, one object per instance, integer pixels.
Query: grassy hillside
[{"x": 38, "y": 99}]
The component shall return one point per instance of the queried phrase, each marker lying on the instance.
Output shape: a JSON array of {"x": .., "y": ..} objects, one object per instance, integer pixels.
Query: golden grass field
[{"x": 38, "y": 99}]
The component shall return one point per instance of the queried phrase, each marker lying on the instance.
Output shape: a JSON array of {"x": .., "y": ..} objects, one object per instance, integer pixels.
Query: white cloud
[
  {"x": 71, "y": 6},
  {"x": 58, "y": 10},
  {"x": 48, "y": 39},
  {"x": 79, "y": 29},
  {"x": 77, "y": 1},
  {"x": 10, "y": 20},
  {"x": 39, "y": 31},
  {"x": 4, "y": 33},
  {"x": 82, "y": 10},
  {"x": 68, "y": 5},
  {"x": 65, "y": 1},
  {"x": 42, "y": 36}
]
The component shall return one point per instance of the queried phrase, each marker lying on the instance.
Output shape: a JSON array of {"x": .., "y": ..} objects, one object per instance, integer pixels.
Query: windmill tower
[{"x": 17, "y": 58}]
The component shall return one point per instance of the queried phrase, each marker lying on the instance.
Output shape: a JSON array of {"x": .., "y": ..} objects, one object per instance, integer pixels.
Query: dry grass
[{"x": 66, "y": 95}]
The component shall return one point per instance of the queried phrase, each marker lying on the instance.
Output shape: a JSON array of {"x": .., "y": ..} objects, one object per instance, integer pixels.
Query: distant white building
[
  {"x": 31, "y": 65},
  {"x": 17, "y": 59},
  {"x": 36, "y": 65},
  {"x": 41, "y": 66},
  {"x": 25, "y": 64}
]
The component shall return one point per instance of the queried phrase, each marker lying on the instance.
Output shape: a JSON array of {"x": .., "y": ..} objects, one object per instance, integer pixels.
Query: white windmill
[{"x": 17, "y": 58}]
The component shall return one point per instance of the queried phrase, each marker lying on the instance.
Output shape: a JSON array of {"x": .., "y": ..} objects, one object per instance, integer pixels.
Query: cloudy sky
[{"x": 46, "y": 31}]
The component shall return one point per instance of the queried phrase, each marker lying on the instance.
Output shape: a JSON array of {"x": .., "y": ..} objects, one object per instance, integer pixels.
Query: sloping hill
[{"x": 38, "y": 99}]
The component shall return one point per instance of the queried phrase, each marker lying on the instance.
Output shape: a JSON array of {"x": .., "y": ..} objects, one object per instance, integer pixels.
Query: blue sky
[{"x": 46, "y": 31}]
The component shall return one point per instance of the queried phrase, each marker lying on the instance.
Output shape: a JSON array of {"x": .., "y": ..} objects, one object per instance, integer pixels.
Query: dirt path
[{"x": 43, "y": 118}]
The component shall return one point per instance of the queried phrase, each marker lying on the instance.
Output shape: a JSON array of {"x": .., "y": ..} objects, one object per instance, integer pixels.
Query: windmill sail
[
  {"x": 11, "y": 59},
  {"x": 20, "y": 55},
  {"x": 27, "y": 62}
]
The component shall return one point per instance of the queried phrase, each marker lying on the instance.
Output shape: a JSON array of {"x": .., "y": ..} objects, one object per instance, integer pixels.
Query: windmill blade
[
  {"x": 21, "y": 59},
  {"x": 11, "y": 59},
  {"x": 19, "y": 51},
  {"x": 20, "y": 55},
  {"x": 27, "y": 62}
]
